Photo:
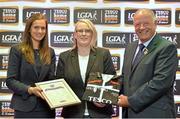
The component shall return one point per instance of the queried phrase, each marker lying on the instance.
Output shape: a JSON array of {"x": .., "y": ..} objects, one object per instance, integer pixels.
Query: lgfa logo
[
  {"x": 16, "y": 38},
  {"x": 87, "y": 15}
]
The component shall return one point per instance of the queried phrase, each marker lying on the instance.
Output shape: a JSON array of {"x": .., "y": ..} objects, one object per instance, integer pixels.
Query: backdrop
[{"x": 112, "y": 18}]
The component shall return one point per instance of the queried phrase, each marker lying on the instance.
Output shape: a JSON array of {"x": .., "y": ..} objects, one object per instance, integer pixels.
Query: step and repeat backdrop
[{"x": 112, "y": 18}]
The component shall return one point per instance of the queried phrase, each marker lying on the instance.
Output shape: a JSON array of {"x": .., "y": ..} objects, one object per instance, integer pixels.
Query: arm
[{"x": 13, "y": 82}]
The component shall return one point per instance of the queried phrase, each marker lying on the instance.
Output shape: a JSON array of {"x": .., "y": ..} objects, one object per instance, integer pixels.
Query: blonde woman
[{"x": 75, "y": 65}]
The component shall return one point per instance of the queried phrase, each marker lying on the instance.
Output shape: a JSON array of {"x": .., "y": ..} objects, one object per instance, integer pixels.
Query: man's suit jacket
[
  {"x": 21, "y": 75},
  {"x": 68, "y": 68},
  {"x": 149, "y": 85}
]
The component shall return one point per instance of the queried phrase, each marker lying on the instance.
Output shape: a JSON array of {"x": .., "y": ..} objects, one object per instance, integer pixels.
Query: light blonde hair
[
  {"x": 91, "y": 26},
  {"x": 26, "y": 47}
]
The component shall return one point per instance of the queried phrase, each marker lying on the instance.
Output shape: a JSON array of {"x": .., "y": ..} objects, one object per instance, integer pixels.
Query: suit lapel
[
  {"x": 152, "y": 45},
  {"x": 44, "y": 70},
  {"x": 75, "y": 63},
  {"x": 132, "y": 53},
  {"x": 35, "y": 71},
  {"x": 92, "y": 58}
]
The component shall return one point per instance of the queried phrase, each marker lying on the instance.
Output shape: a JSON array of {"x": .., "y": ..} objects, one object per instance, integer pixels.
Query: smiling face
[
  {"x": 145, "y": 25},
  {"x": 83, "y": 35},
  {"x": 38, "y": 30}
]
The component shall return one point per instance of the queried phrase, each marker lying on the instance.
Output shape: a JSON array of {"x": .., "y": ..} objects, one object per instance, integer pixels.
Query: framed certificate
[{"x": 57, "y": 93}]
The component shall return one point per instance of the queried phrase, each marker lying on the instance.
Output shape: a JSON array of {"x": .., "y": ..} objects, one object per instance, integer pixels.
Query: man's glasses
[{"x": 81, "y": 31}]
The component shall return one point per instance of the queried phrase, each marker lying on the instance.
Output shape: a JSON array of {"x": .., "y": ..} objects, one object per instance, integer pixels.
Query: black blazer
[
  {"x": 149, "y": 84},
  {"x": 21, "y": 75},
  {"x": 68, "y": 68}
]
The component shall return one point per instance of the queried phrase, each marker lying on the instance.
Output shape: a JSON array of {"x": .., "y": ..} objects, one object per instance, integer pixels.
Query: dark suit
[
  {"x": 21, "y": 75},
  {"x": 149, "y": 85},
  {"x": 68, "y": 68}
]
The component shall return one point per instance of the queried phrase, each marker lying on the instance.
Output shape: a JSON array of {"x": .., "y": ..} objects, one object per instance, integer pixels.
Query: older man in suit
[{"x": 148, "y": 72}]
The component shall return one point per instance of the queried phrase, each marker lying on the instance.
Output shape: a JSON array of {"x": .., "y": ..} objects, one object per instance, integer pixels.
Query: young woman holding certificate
[
  {"x": 76, "y": 64},
  {"x": 30, "y": 62}
]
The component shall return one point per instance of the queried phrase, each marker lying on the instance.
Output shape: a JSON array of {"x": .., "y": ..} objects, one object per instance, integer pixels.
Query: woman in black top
[{"x": 29, "y": 62}]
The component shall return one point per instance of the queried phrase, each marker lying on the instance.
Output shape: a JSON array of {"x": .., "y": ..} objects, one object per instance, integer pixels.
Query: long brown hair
[{"x": 26, "y": 46}]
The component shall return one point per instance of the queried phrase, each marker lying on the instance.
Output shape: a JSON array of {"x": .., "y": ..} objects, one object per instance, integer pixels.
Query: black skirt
[{"x": 35, "y": 114}]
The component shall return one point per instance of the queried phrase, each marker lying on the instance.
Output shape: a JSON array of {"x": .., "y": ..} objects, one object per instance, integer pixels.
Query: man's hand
[{"x": 123, "y": 101}]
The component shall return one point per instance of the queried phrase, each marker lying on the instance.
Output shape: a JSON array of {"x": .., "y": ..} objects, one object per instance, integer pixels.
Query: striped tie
[{"x": 138, "y": 55}]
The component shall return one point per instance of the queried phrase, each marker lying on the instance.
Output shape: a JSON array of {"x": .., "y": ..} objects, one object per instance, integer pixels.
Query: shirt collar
[{"x": 147, "y": 42}]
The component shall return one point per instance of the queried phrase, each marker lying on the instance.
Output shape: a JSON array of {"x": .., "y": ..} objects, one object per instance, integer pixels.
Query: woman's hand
[{"x": 36, "y": 91}]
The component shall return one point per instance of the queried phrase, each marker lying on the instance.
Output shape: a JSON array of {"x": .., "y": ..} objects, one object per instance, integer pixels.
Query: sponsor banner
[
  {"x": 173, "y": 37},
  {"x": 54, "y": 15},
  {"x": 129, "y": 13},
  {"x": 121, "y": 39},
  {"x": 74, "y": 0},
  {"x": 177, "y": 109},
  {"x": 9, "y": 38},
  {"x": 4, "y": 88},
  {"x": 177, "y": 17},
  {"x": 5, "y": 109},
  {"x": 127, "y": 0},
  {"x": 167, "y": 0},
  {"x": 58, "y": 112},
  {"x": 116, "y": 61},
  {"x": 177, "y": 87},
  {"x": 163, "y": 16},
  {"x": 61, "y": 39},
  {"x": 22, "y": 0},
  {"x": 3, "y": 61},
  {"x": 9, "y": 15},
  {"x": 118, "y": 39},
  {"x": 98, "y": 16},
  {"x": 116, "y": 111}
]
